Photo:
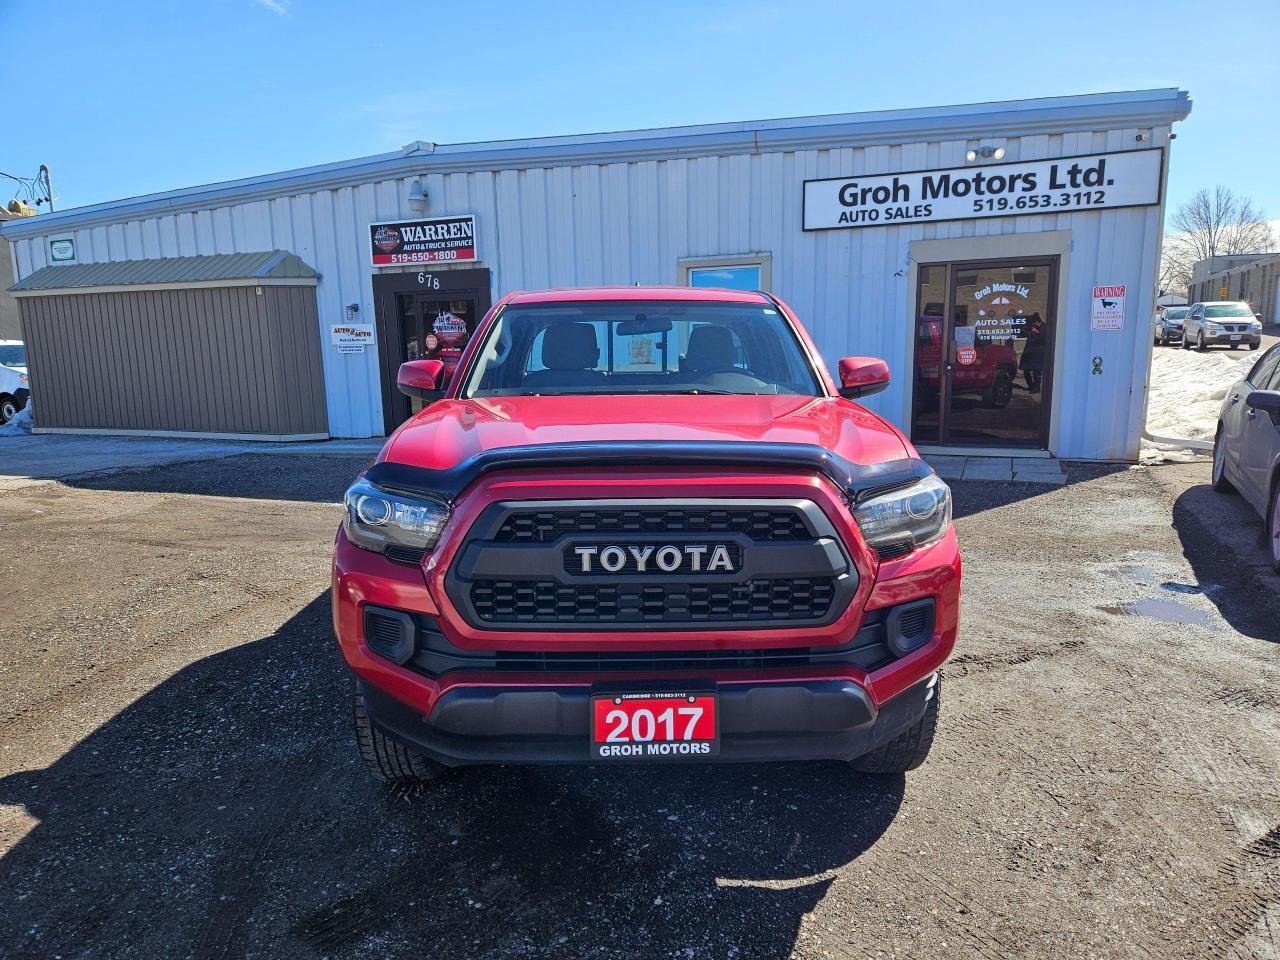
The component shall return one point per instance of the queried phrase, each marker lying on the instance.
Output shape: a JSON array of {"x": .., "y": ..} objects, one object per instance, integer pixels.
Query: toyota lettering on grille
[{"x": 667, "y": 558}]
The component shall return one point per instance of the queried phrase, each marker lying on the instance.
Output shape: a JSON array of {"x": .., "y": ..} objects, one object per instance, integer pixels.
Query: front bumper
[
  {"x": 1226, "y": 339},
  {"x": 803, "y": 720}
]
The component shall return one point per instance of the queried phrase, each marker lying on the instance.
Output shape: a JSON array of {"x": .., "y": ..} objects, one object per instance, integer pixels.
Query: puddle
[{"x": 1166, "y": 611}]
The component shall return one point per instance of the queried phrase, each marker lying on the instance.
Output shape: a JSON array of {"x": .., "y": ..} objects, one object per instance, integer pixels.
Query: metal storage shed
[{"x": 221, "y": 346}]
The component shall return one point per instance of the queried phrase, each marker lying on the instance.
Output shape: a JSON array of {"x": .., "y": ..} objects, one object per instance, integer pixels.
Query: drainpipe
[{"x": 1184, "y": 443}]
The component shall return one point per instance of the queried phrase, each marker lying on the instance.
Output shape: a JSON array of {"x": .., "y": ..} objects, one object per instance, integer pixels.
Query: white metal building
[{"x": 1002, "y": 256}]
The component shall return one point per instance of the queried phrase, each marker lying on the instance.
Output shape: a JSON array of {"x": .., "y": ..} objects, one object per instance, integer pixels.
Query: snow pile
[
  {"x": 21, "y": 423},
  {"x": 1186, "y": 392}
]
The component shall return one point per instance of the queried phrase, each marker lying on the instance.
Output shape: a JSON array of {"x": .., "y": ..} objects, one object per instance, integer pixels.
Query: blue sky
[{"x": 127, "y": 98}]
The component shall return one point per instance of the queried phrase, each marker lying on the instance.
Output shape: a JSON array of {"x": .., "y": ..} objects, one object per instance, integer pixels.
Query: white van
[{"x": 14, "y": 388}]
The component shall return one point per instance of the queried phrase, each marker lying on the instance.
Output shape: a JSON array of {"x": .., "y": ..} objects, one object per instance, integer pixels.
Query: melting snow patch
[{"x": 1186, "y": 391}]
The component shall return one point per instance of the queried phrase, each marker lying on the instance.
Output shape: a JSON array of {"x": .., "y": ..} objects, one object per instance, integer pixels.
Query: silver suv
[{"x": 1226, "y": 323}]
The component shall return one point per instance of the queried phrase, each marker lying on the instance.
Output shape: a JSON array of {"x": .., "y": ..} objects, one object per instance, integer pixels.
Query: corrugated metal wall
[
  {"x": 217, "y": 360},
  {"x": 625, "y": 223}
]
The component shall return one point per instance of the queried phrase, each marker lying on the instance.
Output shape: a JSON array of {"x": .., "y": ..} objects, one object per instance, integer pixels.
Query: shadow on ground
[
  {"x": 1223, "y": 540},
  {"x": 259, "y": 476},
  {"x": 223, "y": 814}
]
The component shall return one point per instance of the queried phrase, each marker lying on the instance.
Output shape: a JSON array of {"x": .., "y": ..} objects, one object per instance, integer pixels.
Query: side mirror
[
  {"x": 862, "y": 376},
  {"x": 1268, "y": 400},
  {"x": 1258, "y": 317},
  {"x": 423, "y": 379}
]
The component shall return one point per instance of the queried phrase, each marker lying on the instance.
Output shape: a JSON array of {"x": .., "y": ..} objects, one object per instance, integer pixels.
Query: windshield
[
  {"x": 13, "y": 355},
  {"x": 640, "y": 347},
  {"x": 1217, "y": 310},
  {"x": 1176, "y": 313}
]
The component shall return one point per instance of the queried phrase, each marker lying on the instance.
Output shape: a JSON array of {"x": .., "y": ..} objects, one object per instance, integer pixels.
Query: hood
[{"x": 450, "y": 432}]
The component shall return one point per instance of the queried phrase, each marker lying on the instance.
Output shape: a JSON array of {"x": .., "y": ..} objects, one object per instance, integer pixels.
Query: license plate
[
  {"x": 654, "y": 726},
  {"x": 1235, "y": 336}
]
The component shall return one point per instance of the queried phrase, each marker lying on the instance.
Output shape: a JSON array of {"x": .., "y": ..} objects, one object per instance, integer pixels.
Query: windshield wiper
[{"x": 693, "y": 390}]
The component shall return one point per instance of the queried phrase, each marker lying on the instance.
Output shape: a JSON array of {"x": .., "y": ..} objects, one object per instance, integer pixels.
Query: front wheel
[
  {"x": 1254, "y": 346},
  {"x": 1218, "y": 473},
  {"x": 388, "y": 760},
  {"x": 8, "y": 408},
  {"x": 908, "y": 749},
  {"x": 1200, "y": 341},
  {"x": 1000, "y": 392}
]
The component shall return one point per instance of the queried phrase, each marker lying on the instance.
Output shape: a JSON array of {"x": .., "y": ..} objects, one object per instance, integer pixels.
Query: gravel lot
[{"x": 177, "y": 776}]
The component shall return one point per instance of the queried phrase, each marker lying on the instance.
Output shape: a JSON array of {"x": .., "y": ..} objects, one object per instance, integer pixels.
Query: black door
[
  {"x": 420, "y": 316},
  {"x": 984, "y": 335}
]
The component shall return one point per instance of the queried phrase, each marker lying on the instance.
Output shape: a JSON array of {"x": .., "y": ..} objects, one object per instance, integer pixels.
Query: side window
[{"x": 1263, "y": 371}]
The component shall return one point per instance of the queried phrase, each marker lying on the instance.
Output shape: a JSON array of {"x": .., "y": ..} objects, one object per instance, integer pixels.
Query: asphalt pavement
[{"x": 178, "y": 779}]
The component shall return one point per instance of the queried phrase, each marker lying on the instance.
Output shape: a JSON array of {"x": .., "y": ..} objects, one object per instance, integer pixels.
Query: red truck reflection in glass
[
  {"x": 644, "y": 525},
  {"x": 983, "y": 368}
]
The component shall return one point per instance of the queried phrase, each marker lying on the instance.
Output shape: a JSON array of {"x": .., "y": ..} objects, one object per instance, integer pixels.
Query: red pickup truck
[{"x": 645, "y": 525}]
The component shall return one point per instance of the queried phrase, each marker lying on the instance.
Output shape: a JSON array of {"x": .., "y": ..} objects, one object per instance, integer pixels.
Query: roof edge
[{"x": 1139, "y": 108}]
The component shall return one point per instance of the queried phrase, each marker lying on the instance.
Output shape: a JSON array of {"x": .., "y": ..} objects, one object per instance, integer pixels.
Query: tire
[
  {"x": 1272, "y": 529},
  {"x": 8, "y": 408},
  {"x": 1218, "y": 472},
  {"x": 1186, "y": 343},
  {"x": 1254, "y": 346},
  {"x": 1000, "y": 392},
  {"x": 388, "y": 760},
  {"x": 1200, "y": 342},
  {"x": 908, "y": 749}
]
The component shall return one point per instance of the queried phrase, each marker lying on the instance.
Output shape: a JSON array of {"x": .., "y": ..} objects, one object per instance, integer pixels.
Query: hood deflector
[{"x": 858, "y": 482}]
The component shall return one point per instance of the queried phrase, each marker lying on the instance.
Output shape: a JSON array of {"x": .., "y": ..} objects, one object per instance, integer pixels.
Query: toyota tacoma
[{"x": 644, "y": 525}]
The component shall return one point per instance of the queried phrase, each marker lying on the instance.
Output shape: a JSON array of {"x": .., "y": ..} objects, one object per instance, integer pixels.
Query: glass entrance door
[
  {"x": 433, "y": 327},
  {"x": 984, "y": 334}
]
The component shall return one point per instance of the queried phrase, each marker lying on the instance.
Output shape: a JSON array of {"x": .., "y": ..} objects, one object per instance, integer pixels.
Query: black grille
[
  {"x": 540, "y": 526},
  {"x": 513, "y": 601},
  {"x": 519, "y": 567},
  {"x": 436, "y": 656}
]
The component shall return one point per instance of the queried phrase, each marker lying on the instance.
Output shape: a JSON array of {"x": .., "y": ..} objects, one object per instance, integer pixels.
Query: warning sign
[
  {"x": 966, "y": 356},
  {"x": 1108, "y": 307}
]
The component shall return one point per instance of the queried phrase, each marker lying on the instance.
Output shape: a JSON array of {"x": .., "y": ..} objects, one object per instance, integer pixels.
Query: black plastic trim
[
  {"x": 857, "y": 481},
  {"x": 436, "y": 656}
]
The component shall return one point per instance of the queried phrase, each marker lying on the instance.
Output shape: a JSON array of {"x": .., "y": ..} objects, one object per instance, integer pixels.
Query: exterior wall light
[
  {"x": 986, "y": 153},
  {"x": 417, "y": 197},
  {"x": 352, "y": 310}
]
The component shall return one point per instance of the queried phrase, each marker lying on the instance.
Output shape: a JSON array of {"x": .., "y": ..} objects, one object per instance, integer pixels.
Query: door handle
[
  {"x": 1252, "y": 413},
  {"x": 1235, "y": 398}
]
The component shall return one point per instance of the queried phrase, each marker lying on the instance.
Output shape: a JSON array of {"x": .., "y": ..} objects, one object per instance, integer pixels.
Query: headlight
[
  {"x": 377, "y": 518},
  {"x": 896, "y": 523}
]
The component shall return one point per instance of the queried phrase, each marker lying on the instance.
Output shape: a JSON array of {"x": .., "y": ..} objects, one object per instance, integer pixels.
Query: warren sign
[
  {"x": 436, "y": 240},
  {"x": 1129, "y": 178}
]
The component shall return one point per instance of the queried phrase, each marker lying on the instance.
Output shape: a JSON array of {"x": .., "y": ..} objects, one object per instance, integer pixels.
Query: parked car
[
  {"x": 645, "y": 525},
  {"x": 1228, "y": 323},
  {"x": 1169, "y": 325},
  {"x": 1246, "y": 447},
  {"x": 14, "y": 386}
]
